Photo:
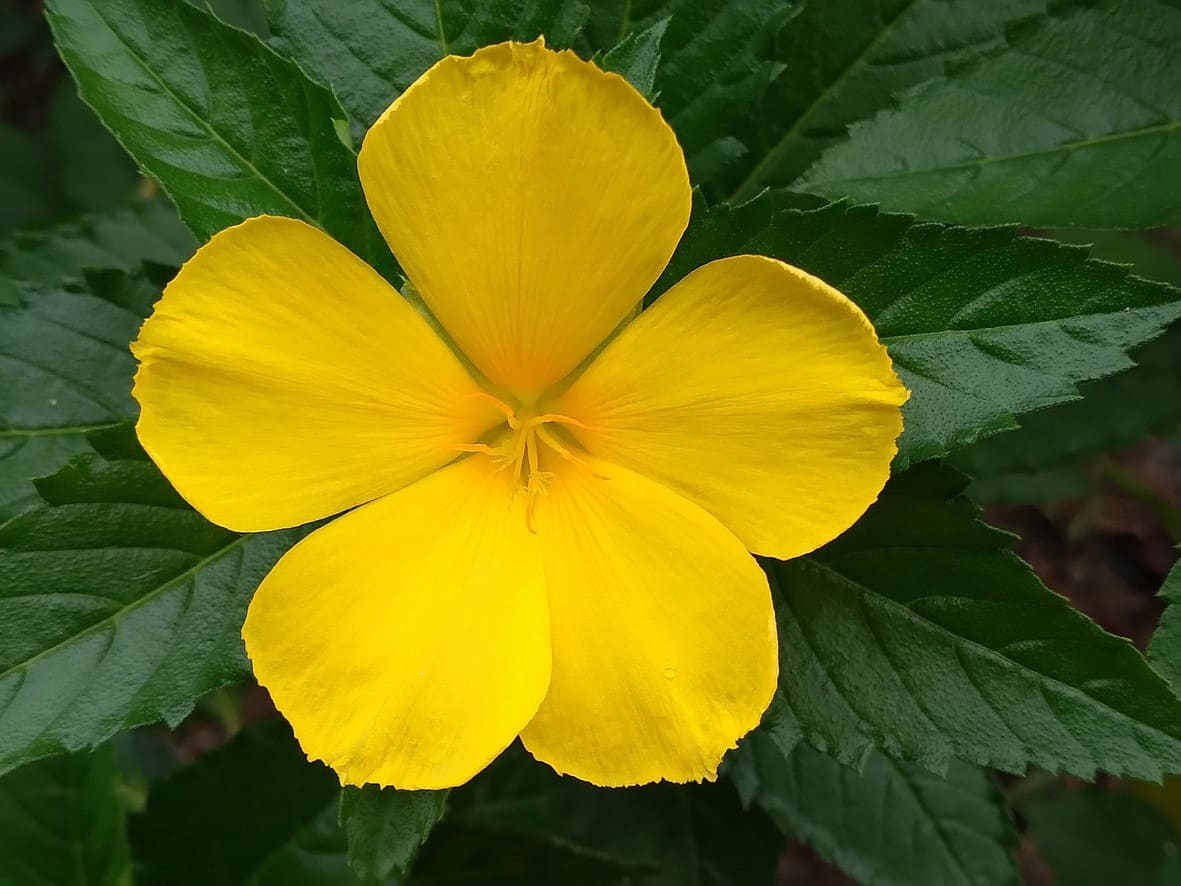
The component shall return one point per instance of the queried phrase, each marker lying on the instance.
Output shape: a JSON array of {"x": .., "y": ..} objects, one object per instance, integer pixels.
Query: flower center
[{"x": 516, "y": 447}]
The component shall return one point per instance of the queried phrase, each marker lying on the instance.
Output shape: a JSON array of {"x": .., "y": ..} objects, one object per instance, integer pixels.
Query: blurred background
[{"x": 1092, "y": 488}]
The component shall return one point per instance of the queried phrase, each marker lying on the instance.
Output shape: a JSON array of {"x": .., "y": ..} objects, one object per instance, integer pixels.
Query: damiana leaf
[
  {"x": 1164, "y": 650},
  {"x": 842, "y": 60},
  {"x": 228, "y": 127},
  {"x": 121, "y": 240},
  {"x": 982, "y": 324},
  {"x": 370, "y": 51},
  {"x": 651, "y": 835},
  {"x": 63, "y": 823},
  {"x": 233, "y": 813},
  {"x": 1077, "y": 123},
  {"x": 888, "y": 822},
  {"x": 67, "y": 371},
  {"x": 715, "y": 64},
  {"x": 385, "y": 828},
  {"x": 637, "y": 57},
  {"x": 1044, "y": 459},
  {"x": 122, "y": 606},
  {"x": 918, "y": 632},
  {"x": 1097, "y": 837}
]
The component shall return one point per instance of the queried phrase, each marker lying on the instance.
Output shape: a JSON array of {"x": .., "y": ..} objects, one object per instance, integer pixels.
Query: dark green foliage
[
  {"x": 129, "y": 606},
  {"x": 228, "y": 127},
  {"x": 887, "y": 822},
  {"x": 237, "y": 811},
  {"x": 918, "y": 633},
  {"x": 843, "y": 60},
  {"x": 1077, "y": 123},
  {"x": 1097, "y": 838},
  {"x": 62, "y": 821}
]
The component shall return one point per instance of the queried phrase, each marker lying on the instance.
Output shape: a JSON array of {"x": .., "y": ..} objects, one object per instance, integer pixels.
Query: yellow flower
[{"x": 549, "y": 535}]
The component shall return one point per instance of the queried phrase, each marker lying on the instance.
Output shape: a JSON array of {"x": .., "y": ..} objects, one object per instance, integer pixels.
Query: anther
[{"x": 509, "y": 414}]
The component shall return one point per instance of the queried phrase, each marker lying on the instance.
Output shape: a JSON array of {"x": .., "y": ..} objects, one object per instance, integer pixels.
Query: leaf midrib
[
  {"x": 958, "y": 640},
  {"x": 200, "y": 120},
  {"x": 61, "y": 431},
  {"x": 133, "y": 605},
  {"x": 943, "y": 333},
  {"x": 1063, "y": 148}
]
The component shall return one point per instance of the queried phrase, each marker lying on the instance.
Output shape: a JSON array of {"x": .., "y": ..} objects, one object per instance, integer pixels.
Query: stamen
[
  {"x": 558, "y": 418},
  {"x": 500, "y": 405},
  {"x": 553, "y": 443},
  {"x": 520, "y": 452}
]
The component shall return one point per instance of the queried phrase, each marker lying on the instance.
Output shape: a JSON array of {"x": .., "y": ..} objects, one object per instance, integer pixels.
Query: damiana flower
[{"x": 552, "y": 504}]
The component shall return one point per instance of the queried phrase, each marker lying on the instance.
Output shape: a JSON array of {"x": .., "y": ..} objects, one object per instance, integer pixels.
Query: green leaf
[
  {"x": 63, "y": 823},
  {"x": 385, "y": 828},
  {"x": 67, "y": 371},
  {"x": 1043, "y": 459},
  {"x": 982, "y": 325},
  {"x": 235, "y": 811},
  {"x": 651, "y": 835},
  {"x": 1164, "y": 650},
  {"x": 636, "y": 58},
  {"x": 121, "y": 240},
  {"x": 316, "y": 855},
  {"x": 370, "y": 51},
  {"x": 842, "y": 62},
  {"x": 1097, "y": 838},
  {"x": 228, "y": 127},
  {"x": 918, "y": 632},
  {"x": 889, "y": 823},
  {"x": 26, "y": 180},
  {"x": 1077, "y": 123},
  {"x": 715, "y": 64},
  {"x": 121, "y": 605}
]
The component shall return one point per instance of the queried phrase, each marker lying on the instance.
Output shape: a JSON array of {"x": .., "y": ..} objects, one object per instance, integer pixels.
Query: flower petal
[
  {"x": 532, "y": 199},
  {"x": 755, "y": 390},
  {"x": 408, "y": 641},
  {"x": 282, "y": 380},
  {"x": 664, "y": 645}
]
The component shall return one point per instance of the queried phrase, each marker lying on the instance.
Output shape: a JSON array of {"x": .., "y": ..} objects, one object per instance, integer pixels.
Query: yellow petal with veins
[
  {"x": 755, "y": 390},
  {"x": 531, "y": 198},
  {"x": 282, "y": 380},
  {"x": 407, "y": 642},
  {"x": 664, "y": 644}
]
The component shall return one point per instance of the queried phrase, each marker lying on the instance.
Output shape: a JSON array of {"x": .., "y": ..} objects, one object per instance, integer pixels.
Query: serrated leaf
[
  {"x": 1077, "y": 123},
  {"x": 843, "y": 60},
  {"x": 316, "y": 855},
  {"x": 66, "y": 371},
  {"x": 982, "y": 325},
  {"x": 918, "y": 632},
  {"x": 121, "y": 607},
  {"x": 1043, "y": 459},
  {"x": 1096, "y": 838},
  {"x": 651, "y": 835},
  {"x": 120, "y": 240},
  {"x": 385, "y": 828},
  {"x": 235, "y": 811},
  {"x": 715, "y": 64},
  {"x": 228, "y": 127},
  {"x": 370, "y": 51},
  {"x": 63, "y": 823},
  {"x": 1164, "y": 650},
  {"x": 636, "y": 58},
  {"x": 889, "y": 822}
]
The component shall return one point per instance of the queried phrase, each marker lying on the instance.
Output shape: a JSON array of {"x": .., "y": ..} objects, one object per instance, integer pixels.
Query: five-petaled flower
[{"x": 553, "y": 498}]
